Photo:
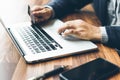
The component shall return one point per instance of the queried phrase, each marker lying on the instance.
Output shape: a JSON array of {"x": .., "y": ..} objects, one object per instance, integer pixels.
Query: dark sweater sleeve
[
  {"x": 63, "y": 7},
  {"x": 113, "y": 36}
]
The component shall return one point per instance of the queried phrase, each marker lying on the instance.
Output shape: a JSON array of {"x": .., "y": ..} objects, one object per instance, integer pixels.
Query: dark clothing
[{"x": 63, "y": 7}]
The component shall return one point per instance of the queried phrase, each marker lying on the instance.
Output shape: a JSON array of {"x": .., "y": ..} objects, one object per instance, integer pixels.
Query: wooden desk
[
  {"x": 9, "y": 56},
  {"x": 24, "y": 71}
]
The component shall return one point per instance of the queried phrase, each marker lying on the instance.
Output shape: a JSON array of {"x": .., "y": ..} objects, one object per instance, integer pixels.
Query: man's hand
[
  {"x": 81, "y": 29},
  {"x": 40, "y": 13}
]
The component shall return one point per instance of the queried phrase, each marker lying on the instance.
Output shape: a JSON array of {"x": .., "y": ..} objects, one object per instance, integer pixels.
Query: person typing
[{"x": 106, "y": 10}]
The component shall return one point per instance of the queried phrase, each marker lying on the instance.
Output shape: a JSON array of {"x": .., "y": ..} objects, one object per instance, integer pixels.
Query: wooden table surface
[{"x": 24, "y": 71}]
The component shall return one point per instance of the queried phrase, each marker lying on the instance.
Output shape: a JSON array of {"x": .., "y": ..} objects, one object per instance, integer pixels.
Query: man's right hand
[
  {"x": 41, "y": 13},
  {"x": 81, "y": 30}
]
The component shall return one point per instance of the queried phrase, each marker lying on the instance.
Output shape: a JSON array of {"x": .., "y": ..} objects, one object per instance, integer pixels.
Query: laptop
[{"x": 42, "y": 43}]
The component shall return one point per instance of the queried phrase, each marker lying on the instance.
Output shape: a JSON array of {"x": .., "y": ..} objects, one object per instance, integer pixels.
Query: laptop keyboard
[{"x": 38, "y": 40}]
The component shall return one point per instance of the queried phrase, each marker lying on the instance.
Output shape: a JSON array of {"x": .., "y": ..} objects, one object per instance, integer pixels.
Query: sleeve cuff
[
  {"x": 104, "y": 35},
  {"x": 53, "y": 15}
]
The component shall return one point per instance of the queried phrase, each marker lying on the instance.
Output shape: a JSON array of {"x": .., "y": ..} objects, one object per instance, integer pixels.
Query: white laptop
[{"x": 42, "y": 43}]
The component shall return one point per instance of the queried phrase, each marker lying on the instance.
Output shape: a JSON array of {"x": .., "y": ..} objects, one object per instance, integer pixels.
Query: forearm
[{"x": 63, "y": 7}]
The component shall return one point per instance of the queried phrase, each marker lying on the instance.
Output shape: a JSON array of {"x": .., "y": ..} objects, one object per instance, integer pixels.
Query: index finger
[{"x": 64, "y": 27}]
